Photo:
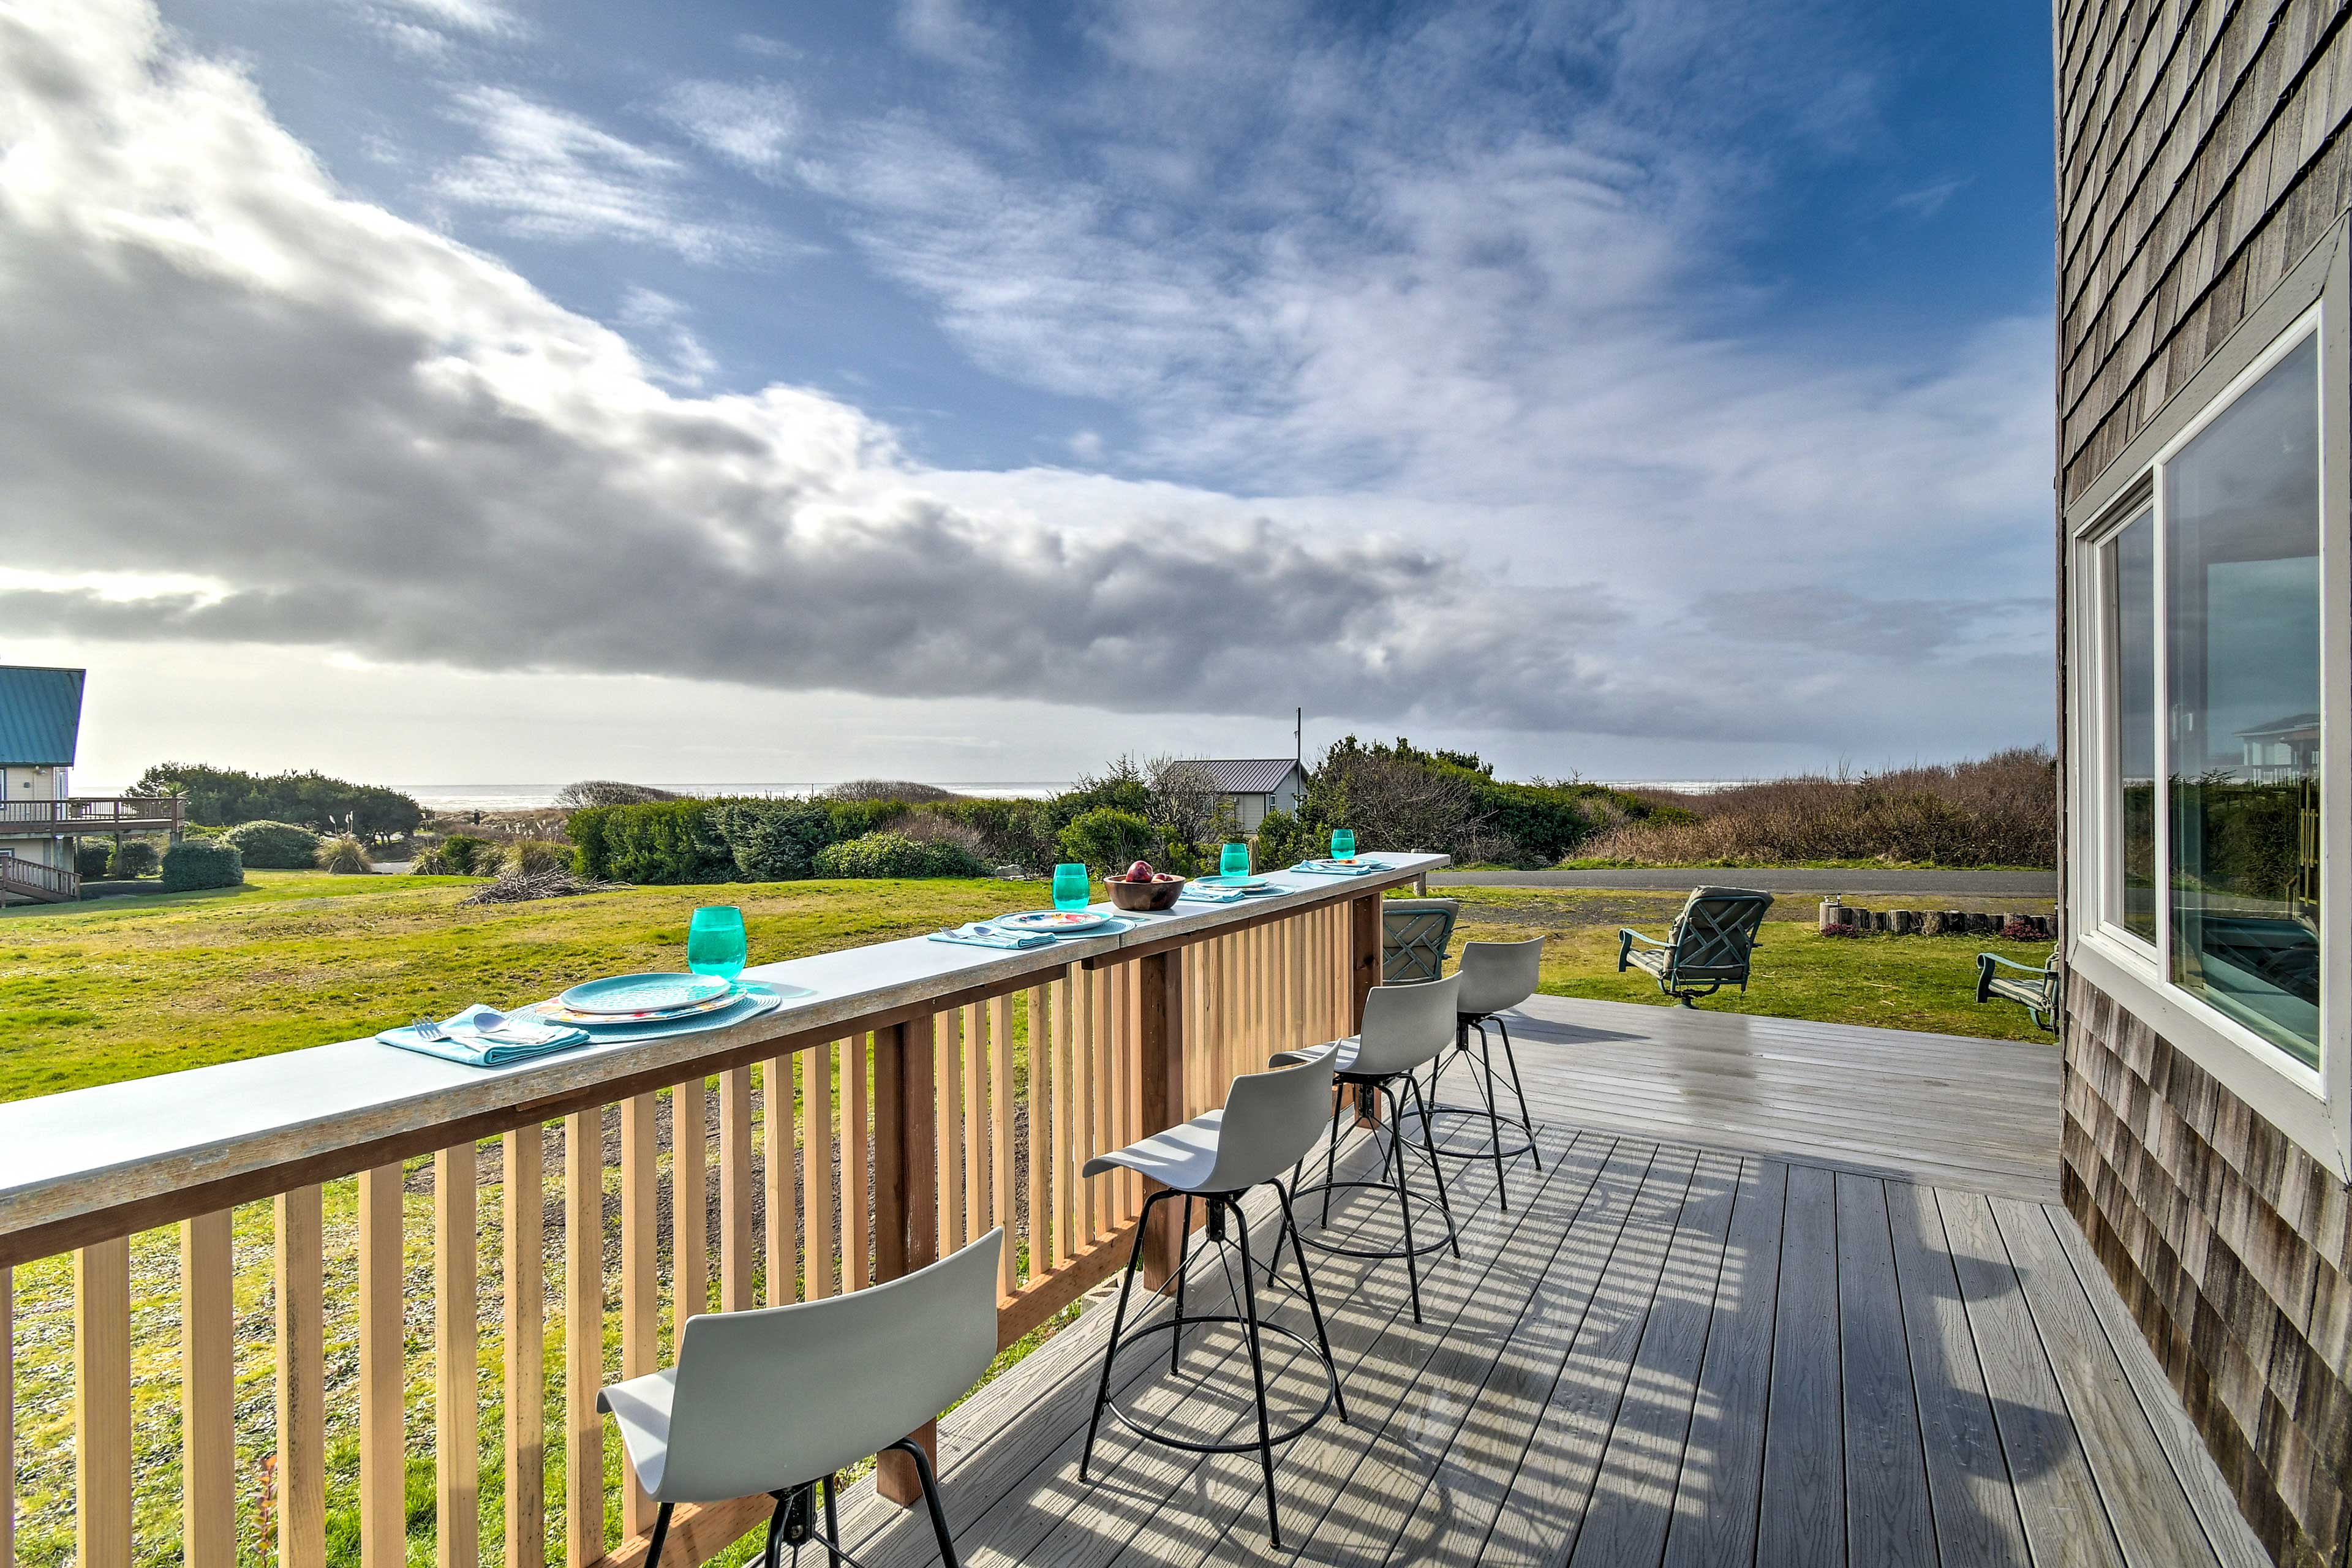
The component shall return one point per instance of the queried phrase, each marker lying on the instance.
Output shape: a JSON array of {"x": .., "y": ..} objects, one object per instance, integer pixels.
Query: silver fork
[{"x": 427, "y": 1029}]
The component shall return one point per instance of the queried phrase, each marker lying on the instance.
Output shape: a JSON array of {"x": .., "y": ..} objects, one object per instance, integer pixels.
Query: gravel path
[{"x": 1777, "y": 880}]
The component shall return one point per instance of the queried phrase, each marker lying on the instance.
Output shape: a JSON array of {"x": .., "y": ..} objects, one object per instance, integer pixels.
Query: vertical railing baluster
[
  {"x": 776, "y": 1123},
  {"x": 383, "y": 1507},
  {"x": 857, "y": 1181},
  {"x": 817, "y": 1167},
  {"x": 690, "y": 1205},
  {"x": 948, "y": 1120},
  {"x": 301, "y": 1379},
  {"x": 1000, "y": 1133},
  {"x": 523, "y": 1227},
  {"x": 583, "y": 1337},
  {"x": 975, "y": 1111},
  {"x": 102, "y": 1404},
  {"x": 456, "y": 1358},
  {"x": 1085, "y": 1103},
  {"x": 1040, "y": 1057},
  {"x": 735, "y": 1190},
  {"x": 1064, "y": 1024},
  {"x": 640, "y": 1276},
  {"x": 207, "y": 1392}
]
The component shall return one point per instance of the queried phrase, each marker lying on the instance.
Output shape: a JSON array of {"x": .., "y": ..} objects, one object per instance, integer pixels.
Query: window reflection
[
  {"x": 2241, "y": 672},
  {"x": 2131, "y": 581}
]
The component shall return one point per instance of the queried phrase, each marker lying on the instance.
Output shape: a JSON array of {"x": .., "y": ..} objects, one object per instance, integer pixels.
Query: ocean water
[{"x": 519, "y": 797}]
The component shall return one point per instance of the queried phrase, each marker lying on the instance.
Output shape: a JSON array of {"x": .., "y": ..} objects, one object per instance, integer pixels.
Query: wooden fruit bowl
[{"x": 1144, "y": 896}]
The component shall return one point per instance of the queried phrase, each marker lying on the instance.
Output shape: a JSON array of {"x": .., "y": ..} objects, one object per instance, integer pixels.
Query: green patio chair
[
  {"x": 2037, "y": 989},
  {"x": 1415, "y": 934},
  {"x": 1708, "y": 947}
]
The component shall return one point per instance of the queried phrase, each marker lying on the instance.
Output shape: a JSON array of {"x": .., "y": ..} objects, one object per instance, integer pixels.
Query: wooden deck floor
[{"x": 1706, "y": 1350}]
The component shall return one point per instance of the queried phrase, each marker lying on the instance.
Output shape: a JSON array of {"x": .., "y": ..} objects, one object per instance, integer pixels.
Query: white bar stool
[
  {"x": 1269, "y": 1121},
  {"x": 781, "y": 1399},
  {"x": 1495, "y": 977},
  {"x": 1405, "y": 1028}
]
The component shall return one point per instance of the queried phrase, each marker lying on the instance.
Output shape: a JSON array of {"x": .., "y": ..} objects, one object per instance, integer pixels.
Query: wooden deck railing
[
  {"x": 312, "y": 1225},
  {"x": 93, "y": 815}
]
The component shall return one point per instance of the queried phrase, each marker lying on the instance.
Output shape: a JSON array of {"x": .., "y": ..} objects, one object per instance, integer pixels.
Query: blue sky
[{"x": 1639, "y": 390}]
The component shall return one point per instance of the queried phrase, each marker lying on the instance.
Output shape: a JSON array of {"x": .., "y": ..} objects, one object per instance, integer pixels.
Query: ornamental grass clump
[{"x": 345, "y": 856}]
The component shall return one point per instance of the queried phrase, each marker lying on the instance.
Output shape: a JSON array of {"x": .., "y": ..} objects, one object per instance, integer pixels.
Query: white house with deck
[{"x": 40, "y": 818}]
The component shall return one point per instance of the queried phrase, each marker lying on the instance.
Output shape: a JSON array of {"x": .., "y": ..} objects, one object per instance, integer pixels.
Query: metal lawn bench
[
  {"x": 2036, "y": 989},
  {"x": 1708, "y": 948}
]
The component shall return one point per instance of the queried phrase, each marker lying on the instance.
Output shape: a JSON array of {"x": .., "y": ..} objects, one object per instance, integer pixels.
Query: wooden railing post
[
  {"x": 1364, "y": 970},
  {"x": 1160, "y": 1082},
  {"x": 906, "y": 1196}
]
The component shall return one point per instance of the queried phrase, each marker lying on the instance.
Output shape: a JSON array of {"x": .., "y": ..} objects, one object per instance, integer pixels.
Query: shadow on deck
[{"x": 1782, "y": 1293}]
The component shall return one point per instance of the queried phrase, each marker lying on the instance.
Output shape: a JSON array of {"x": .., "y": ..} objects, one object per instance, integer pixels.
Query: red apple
[{"x": 1139, "y": 872}]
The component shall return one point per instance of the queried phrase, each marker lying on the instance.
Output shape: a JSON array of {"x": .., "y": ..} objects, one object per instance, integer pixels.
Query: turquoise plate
[
  {"x": 645, "y": 992},
  {"x": 1246, "y": 884}
]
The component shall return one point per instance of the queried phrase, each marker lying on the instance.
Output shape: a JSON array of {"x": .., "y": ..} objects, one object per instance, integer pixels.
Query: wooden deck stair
[{"x": 22, "y": 878}]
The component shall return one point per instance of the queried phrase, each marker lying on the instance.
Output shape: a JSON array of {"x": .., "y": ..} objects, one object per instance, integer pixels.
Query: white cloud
[
  {"x": 387, "y": 444},
  {"x": 656, "y": 316},
  {"x": 1419, "y": 268},
  {"x": 752, "y": 124},
  {"x": 948, "y": 31},
  {"x": 548, "y": 174}
]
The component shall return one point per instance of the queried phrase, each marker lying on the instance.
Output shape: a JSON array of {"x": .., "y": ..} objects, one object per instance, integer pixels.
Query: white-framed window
[{"x": 2207, "y": 712}]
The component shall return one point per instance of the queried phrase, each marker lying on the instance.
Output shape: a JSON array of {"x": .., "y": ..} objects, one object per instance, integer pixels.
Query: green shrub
[
  {"x": 857, "y": 818},
  {"x": 896, "y": 855},
  {"x": 773, "y": 840},
  {"x": 662, "y": 842},
  {"x": 345, "y": 856},
  {"x": 90, "y": 860},
  {"x": 196, "y": 863},
  {"x": 531, "y": 858},
  {"x": 1108, "y": 838},
  {"x": 133, "y": 858},
  {"x": 1012, "y": 831},
  {"x": 1284, "y": 840},
  {"x": 274, "y": 846},
  {"x": 462, "y": 855}
]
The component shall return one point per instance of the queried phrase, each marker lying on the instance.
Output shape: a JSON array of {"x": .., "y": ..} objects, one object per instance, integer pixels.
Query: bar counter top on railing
[{"x": 97, "y": 1163}]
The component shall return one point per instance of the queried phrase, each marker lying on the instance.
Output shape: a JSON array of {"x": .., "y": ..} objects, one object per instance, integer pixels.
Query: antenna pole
[{"x": 1299, "y": 736}]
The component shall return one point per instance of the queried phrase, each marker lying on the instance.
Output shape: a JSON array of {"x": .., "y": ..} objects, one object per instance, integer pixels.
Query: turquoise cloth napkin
[
  {"x": 483, "y": 1036},
  {"x": 979, "y": 933},
  {"x": 1197, "y": 894},
  {"x": 1363, "y": 869}
]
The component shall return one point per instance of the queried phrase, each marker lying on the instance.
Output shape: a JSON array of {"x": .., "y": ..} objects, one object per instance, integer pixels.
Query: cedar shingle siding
[{"x": 2201, "y": 153}]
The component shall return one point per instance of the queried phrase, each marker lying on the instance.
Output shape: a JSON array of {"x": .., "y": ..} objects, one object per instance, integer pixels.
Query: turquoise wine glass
[
  {"x": 1234, "y": 862},
  {"x": 1071, "y": 890},
  {"x": 1343, "y": 843},
  {"x": 715, "y": 942}
]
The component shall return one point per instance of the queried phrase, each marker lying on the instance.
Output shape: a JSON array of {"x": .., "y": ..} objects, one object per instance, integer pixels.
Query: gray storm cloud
[{"x": 375, "y": 439}]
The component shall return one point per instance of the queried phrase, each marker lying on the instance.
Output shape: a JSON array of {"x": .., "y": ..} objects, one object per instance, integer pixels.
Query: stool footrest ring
[
  {"x": 1320, "y": 1243},
  {"x": 1150, "y": 1433},
  {"x": 1478, "y": 1112}
]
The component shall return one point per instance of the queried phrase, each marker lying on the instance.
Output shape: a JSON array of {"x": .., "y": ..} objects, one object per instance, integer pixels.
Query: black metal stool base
[
  {"x": 1254, "y": 1328},
  {"x": 1274, "y": 1439}
]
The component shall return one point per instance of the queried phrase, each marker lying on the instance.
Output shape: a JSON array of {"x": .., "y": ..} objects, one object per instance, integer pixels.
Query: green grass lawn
[
  {"x": 1893, "y": 982},
  {"x": 121, "y": 988}
]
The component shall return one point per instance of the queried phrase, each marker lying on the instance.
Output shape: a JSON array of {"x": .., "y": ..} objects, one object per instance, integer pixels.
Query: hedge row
[{"x": 691, "y": 841}]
